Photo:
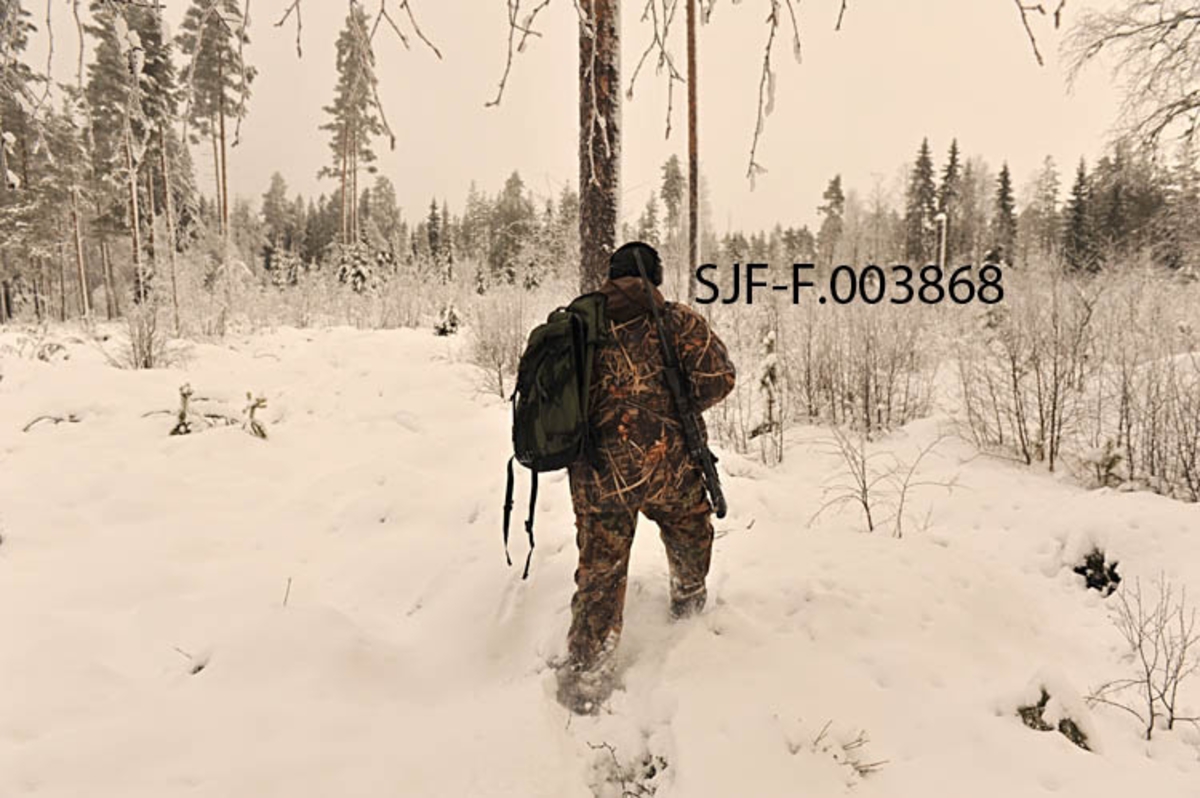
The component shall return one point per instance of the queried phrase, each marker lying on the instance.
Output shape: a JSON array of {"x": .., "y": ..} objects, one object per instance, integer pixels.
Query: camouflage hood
[{"x": 630, "y": 297}]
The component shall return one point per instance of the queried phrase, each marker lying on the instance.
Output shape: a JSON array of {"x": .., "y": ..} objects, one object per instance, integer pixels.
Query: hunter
[{"x": 641, "y": 465}]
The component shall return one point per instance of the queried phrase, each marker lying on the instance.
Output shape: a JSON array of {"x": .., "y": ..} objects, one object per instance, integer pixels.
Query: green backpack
[{"x": 550, "y": 402}]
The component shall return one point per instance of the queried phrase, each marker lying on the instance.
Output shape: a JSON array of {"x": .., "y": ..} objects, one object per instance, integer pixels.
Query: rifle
[{"x": 679, "y": 384}]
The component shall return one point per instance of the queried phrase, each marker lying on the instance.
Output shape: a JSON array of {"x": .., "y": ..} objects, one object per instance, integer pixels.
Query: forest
[{"x": 252, "y": 437}]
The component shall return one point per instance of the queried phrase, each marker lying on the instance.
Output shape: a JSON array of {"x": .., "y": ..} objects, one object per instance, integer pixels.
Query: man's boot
[{"x": 686, "y": 603}]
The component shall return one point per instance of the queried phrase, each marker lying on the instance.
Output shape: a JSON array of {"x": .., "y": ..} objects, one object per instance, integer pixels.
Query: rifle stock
[{"x": 679, "y": 385}]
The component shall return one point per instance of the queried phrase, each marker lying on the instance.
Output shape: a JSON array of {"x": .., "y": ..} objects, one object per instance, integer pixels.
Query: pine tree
[
  {"x": 354, "y": 119},
  {"x": 132, "y": 101},
  {"x": 832, "y": 224},
  {"x": 1080, "y": 250},
  {"x": 1004, "y": 220},
  {"x": 920, "y": 240},
  {"x": 217, "y": 82}
]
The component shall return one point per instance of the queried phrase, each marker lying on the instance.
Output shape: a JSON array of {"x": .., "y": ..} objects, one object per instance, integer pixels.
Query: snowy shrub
[
  {"x": 1024, "y": 370},
  {"x": 1098, "y": 573},
  {"x": 147, "y": 342},
  {"x": 864, "y": 366},
  {"x": 1163, "y": 645},
  {"x": 1035, "y": 717},
  {"x": 879, "y": 484},
  {"x": 447, "y": 323},
  {"x": 499, "y": 325},
  {"x": 639, "y": 778},
  {"x": 770, "y": 429},
  {"x": 252, "y": 424},
  {"x": 1102, "y": 377},
  {"x": 1103, "y": 462},
  {"x": 354, "y": 265}
]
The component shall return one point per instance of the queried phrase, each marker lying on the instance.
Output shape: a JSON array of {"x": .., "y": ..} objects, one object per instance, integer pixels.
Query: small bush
[
  {"x": 1100, "y": 575},
  {"x": 1034, "y": 717}
]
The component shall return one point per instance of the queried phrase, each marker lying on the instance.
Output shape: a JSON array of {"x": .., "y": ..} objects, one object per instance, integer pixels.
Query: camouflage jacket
[{"x": 641, "y": 453}]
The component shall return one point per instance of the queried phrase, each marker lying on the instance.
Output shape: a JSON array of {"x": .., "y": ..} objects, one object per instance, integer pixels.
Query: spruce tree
[
  {"x": 920, "y": 229},
  {"x": 674, "y": 184},
  {"x": 1080, "y": 250},
  {"x": 949, "y": 196},
  {"x": 433, "y": 230},
  {"x": 1045, "y": 226},
  {"x": 1177, "y": 229},
  {"x": 1004, "y": 219},
  {"x": 512, "y": 221},
  {"x": 832, "y": 211},
  {"x": 647, "y": 229}
]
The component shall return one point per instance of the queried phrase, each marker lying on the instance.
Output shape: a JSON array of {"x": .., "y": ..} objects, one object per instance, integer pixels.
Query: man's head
[{"x": 623, "y": 262}]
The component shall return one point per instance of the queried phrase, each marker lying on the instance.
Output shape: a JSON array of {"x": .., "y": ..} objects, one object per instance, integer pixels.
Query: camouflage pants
[{"x": 604, "y": 534}]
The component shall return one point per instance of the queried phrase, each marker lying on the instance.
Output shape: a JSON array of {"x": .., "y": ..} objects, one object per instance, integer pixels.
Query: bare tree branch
[
  {"x": 525, "y": 28},
  {"x": 294, "y": 6},
  {"x": 1155, "y": 48},
  {"x": 658, "y": 42}
]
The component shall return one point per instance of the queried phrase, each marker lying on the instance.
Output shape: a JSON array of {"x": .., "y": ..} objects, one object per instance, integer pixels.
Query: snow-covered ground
[{"x": 147, "y": 650}]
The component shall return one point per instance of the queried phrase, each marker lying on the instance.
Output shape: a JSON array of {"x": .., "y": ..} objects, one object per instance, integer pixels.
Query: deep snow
[{"x": 409, "y": 661}]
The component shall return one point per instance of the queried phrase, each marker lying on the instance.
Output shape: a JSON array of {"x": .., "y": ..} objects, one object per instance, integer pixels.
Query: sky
[{"x": 858, "y": 104}]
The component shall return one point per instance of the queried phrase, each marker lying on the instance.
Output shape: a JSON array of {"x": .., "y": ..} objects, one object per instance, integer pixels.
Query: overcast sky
[{"x": 858, "y": 105}]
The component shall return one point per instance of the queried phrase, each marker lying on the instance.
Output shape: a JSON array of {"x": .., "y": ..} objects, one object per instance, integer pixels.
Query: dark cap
[{"x": 623, "y": 262}]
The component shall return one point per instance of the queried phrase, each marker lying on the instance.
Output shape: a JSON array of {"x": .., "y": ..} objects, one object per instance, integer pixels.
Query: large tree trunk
[
  {"x": 150, "y": 221},
  {"x": 37, "y": 289},
  {"x": 62, "y": 283},
  {"x": 3, "y": 254},
  {"x": 354, "y": 188},
  {"x": 135, "y": 234},
  {"x": 85, "y": 305},
  {"x": 224, "y": 154},
  {"x": 110, "y": 296},
  {"x": 169, "y": 208},
  {"x": 345, "y": 163},
  {"x": 212, "y": 126},
  {"x": 599, "y": 137},
  {"x": 693, "y": 155}
]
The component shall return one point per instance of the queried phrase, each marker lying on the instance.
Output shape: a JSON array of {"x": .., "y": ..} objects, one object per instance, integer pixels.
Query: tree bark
[
  {"x": 169, "y": 208},
  {"x": 84, "y": 300},
  {"x": 693, "y": 156},
  {"x": 150, "y": 221},
  {"x": 354, "y": 188},
  {"x": 224, "y": 153},
  {"x": 62, "y": 284},
  {"x": 135, "y": 234},
  {"x": 599, "y": 138},
  {"x": 37, "y": 290},
  {"x": 110, "y": 295},
  {"x": 212, "y": 126},
  {"x": 345, "y": 162}
]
